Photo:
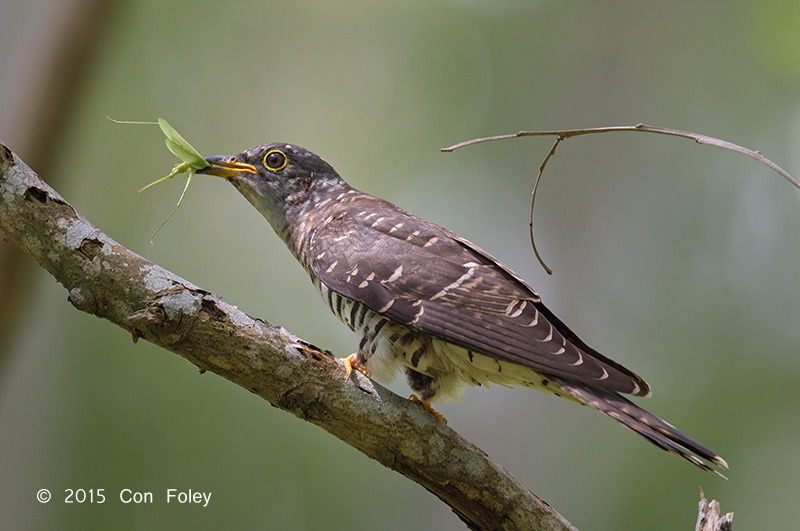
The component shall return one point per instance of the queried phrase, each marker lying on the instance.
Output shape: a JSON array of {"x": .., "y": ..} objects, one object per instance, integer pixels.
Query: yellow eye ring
[{"x": 275, "y": 160}]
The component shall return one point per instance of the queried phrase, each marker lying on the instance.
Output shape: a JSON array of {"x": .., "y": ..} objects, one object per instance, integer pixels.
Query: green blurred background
[{"x": 679, "y": 261}]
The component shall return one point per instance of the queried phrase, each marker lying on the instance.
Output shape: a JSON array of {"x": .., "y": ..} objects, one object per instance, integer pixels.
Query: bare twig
[
  {"x": 700, "y": 139},
  {"x": 640, "y": 128},
  {"x": 106, "y": 279},
  {"x": 533, "y": 202},
  {"x": 708, "y": 517}
]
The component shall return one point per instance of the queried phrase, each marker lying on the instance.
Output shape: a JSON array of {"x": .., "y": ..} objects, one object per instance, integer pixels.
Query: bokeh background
[{"x": 678, "y": 260}]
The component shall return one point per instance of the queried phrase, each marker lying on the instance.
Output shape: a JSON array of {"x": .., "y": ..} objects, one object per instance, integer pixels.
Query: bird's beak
[{"x": 226, "y": 167}]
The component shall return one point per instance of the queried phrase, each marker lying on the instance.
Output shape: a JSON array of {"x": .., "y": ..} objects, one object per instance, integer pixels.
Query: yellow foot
[
  {"x": 429, "y": 407},
  {"x": 351, "y": 362}
]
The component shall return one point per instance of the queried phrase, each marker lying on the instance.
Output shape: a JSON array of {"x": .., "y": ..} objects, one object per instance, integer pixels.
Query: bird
[{"x": 424, "y": 300}]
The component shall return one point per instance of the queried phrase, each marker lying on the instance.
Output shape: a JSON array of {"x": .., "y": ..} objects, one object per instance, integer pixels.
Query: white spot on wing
[
  {"x": 396, "y": 274},
  {"x": 519, "y": 310},
  {"x": 463, "y": 278},
  {"x": 412, "y": 235},
  {"x": 385, "y": 308},
  {"x": 549, "y": 335},
  {"x": 431, "y": 241},
  {"x": 419, "y": 314},
  {"x": 562, "y": 349},
  {"x": 580, "y": 362},
  {"x": 353, "y": 272}
]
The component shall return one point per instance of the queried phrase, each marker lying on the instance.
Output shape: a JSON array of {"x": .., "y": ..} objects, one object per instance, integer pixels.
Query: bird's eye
[{"x": 275, "y": 160}]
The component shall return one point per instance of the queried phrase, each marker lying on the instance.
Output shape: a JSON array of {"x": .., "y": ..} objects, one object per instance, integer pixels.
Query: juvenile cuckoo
[{"x": 423, "y": 299}]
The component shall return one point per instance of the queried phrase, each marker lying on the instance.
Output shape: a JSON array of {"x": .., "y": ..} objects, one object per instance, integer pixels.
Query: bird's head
[{"x": 281, "y": 180}]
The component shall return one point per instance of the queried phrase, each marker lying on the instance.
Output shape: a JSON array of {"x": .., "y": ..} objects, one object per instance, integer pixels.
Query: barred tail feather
[{"x": 647, "y": 425}]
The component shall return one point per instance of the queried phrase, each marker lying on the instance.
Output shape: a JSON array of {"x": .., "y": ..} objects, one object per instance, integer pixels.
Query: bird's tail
[{"x": 652, "y": 428}]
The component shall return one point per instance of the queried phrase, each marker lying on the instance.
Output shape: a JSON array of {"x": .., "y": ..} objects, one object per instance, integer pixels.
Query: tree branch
[
  {"x": 638, "y": 128},
  {"x": 105, "y": 279}
]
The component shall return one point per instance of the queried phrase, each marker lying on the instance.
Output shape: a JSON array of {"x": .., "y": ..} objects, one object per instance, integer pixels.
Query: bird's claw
[
  {"x": 351, "y": 362},
  {"x": 429, "y": 407}
]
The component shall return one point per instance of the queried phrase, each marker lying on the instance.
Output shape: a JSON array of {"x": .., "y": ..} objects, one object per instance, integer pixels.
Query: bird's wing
[{"x": 433, "y": 281}]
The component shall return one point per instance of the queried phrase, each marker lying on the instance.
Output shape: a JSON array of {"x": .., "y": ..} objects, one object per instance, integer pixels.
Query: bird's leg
[
  {"x": 351, "y": 362},
  {"x": 429, "y": 407}
]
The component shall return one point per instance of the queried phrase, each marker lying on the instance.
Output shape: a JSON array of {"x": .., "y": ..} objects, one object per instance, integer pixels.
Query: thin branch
[
  {"x": 638, "y": 128},
  {"x": 533, "y": 202},
  {"x": 643, "y": 128},
  {"x": 107, "y": 280}
]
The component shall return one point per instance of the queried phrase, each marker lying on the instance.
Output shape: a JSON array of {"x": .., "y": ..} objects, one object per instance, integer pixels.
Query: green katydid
[{"x": 192, "y": 161}]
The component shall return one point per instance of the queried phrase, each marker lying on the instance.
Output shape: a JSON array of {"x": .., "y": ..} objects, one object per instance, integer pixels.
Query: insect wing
[{"x": 180, "y": 147}]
